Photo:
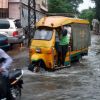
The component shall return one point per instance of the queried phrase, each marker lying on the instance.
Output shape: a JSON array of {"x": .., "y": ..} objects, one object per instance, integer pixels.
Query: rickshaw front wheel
[
  {"x": 36, "y": 69},
  {"x": 31, "y": 67},
  {"x": 39, "y": 67}
]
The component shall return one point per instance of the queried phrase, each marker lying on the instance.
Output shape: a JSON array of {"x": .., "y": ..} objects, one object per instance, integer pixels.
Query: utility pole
[{"x": 31, "y": 18}]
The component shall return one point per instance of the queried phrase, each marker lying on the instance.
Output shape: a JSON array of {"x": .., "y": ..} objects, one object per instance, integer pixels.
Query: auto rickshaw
[{"x": 43, "y": 52}]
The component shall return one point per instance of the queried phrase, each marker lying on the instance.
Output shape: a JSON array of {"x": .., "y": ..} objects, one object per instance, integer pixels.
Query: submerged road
[{"x": 79, "y": 82}]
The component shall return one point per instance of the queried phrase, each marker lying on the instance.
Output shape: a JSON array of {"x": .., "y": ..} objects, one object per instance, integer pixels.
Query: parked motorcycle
[{"x": 16, "y": 81}]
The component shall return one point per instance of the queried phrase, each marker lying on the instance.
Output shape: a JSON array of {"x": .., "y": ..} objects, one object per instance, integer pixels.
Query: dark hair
[
  {"x": 64, "y": 32},
  {"x": 2, "y": 60}
]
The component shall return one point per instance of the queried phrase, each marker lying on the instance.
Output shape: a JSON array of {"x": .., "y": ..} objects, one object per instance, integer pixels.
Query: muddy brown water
[{"x": 79, "y": 82}]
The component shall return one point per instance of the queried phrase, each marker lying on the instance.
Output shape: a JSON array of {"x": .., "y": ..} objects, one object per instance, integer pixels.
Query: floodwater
[{"x": 79, "y": 82}]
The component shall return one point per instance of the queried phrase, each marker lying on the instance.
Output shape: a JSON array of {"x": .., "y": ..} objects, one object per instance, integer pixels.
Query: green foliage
[
  {"x": 63, "y": 6},
  {"x": 87, "y": 14},
  {"x": 97, "y": 9}
]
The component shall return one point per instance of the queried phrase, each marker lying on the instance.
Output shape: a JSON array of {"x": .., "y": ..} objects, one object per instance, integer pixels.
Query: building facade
[
  {"x": 3, "y": 8},
  {"x": 18, "y": 9}
]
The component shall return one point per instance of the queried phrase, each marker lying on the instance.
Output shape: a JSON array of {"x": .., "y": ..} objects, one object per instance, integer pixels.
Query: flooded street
[{"x": 79, "y": 82}]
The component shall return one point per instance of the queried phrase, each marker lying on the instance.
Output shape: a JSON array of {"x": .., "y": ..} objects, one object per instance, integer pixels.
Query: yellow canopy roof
[{"x": 56, "y": 21}]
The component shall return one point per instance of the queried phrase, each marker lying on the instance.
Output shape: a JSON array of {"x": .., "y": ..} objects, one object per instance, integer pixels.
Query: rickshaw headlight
[{"x": 38, "y": 50}]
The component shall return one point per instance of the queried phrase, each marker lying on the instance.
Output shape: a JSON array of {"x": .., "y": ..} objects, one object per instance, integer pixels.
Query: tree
[
  {"x": 87, "y": 14},
  {"x": 97, "y": 9},
  {"x": 63, "y": 6}
]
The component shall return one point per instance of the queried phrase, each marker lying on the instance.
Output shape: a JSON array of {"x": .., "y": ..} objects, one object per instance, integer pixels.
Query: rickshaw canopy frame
[{"x": 57, "y": 21}]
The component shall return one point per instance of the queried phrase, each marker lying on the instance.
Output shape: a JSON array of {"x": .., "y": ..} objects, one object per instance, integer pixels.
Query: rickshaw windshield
[{"x": 43, "y": 34}]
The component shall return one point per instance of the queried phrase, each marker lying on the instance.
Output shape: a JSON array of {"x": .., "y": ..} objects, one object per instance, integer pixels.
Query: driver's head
[{"x": 64, "y": 32}]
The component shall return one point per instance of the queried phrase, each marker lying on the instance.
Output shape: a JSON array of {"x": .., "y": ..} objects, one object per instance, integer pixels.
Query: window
[
  {"x": 3, "y": 12},
  {"x": 4, "y": 24},
  {"x": 43, "y": 34}
]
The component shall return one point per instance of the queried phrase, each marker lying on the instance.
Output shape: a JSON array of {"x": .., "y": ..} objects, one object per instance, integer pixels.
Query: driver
[{"x": 5, "y": 62}]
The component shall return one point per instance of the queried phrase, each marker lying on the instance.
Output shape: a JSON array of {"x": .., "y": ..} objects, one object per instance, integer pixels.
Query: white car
[{"x": 12, "y": 29}]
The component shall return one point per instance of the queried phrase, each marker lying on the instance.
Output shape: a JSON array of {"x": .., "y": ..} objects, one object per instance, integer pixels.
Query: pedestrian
[
  {"x": 64, "y": 41},
  {"x": 5, "y": 62},
  {"x": 95, "y": 25}
]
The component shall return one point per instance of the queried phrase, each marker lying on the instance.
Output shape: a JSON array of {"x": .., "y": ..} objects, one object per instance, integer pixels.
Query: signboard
[{"x": 3, "y": 3}]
